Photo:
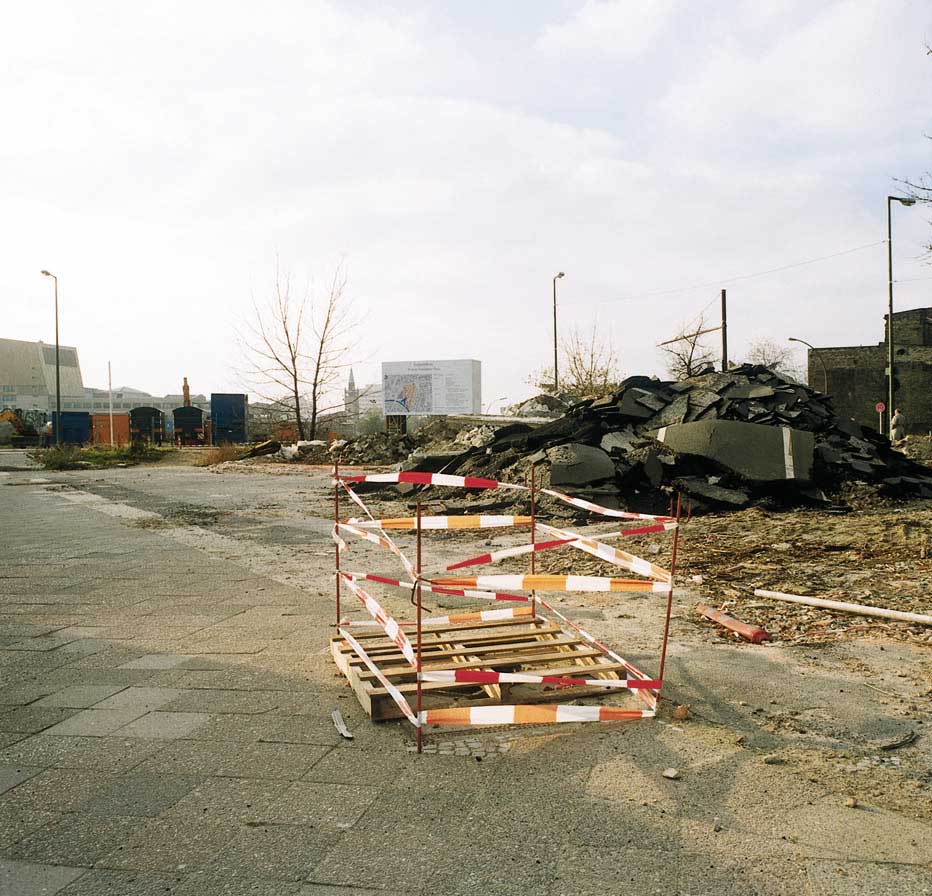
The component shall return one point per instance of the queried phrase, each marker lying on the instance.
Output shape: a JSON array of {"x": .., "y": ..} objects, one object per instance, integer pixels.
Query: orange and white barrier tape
[
  {"x": 530, "y": 714},
  {"x": 388, "y": 624},
  {"x": 474, "y": 521},
  {"x": 396, "y": 695},
  {"x": 611, "y": 554},
  {"x": 456, "y": 619},
  {"x": 478, "y": 676},
  {"x": 553, "y": 583},
  {"x": 425, "y": 586}
]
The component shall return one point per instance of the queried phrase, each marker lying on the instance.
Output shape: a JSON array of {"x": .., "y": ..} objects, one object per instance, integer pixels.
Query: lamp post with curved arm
[
  {"x": 57, "y": 368},
  {"x": 818, "y": 355},
  {"x": 903, "y": 200},
  {"x": 556, "y": 378}
]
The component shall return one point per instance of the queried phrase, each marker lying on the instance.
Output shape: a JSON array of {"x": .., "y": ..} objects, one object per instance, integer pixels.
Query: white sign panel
[{"x": 431, "y": 387}]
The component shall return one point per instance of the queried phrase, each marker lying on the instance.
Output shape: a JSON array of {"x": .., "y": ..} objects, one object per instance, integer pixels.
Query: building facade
[
  {"x": 856, "y": 376},
  {"x": 27, "y": 382}
]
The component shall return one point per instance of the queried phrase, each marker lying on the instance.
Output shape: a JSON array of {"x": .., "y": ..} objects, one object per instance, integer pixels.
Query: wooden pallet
[{"x": 514, "y": 645}]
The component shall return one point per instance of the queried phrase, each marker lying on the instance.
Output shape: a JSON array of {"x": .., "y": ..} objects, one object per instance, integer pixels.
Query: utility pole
[{"x": 724, "y": 333}]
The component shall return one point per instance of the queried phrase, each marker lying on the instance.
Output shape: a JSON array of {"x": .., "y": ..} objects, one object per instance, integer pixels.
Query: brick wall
[{"x": 857, "y": 381}]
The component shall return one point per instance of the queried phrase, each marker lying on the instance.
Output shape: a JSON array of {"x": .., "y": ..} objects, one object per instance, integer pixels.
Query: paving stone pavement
[{"x": 165, "y": 728}]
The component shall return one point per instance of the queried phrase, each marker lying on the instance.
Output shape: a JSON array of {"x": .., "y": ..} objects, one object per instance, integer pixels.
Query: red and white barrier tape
[
  {"x": 520, "y": 714},
  {"x": 388, "y": 624},
  {"x": 396, "y": 695},
  {"x": 382, "y": 540},
  {"x": 553, "y": 583},
  {"x": 444, "y": 479},
  {"x": 611, "y": 554},
  {"x": 646, "y": 695},
  {"x": 478, "y": 676},
  {"x": 505, "y": 553}
]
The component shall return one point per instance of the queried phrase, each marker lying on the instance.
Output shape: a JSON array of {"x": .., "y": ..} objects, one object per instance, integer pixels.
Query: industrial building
[
  {"x": 27, "y": 382},
  {"x": 856, "y": 376}
]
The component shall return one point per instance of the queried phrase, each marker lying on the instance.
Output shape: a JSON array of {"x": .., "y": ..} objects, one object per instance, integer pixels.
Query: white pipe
[{"x": 844, "y": 607}]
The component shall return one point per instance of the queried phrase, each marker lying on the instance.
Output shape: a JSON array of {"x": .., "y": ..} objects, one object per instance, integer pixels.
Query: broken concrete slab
[
  {"x": 577, "y": 464},
  {"x": 756, "y": 452}
]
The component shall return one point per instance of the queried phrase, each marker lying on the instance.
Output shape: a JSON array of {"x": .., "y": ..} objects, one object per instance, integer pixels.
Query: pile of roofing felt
[{"x": 784, "y": 446}]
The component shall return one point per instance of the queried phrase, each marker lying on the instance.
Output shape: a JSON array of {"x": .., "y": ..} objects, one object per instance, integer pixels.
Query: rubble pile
[
  {"x": 378, "y": 448},
  {"x": 725, "y": 439}
]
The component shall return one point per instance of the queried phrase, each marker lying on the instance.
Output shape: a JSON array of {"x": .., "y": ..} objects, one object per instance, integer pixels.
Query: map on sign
[
  {"x": 431, "y": 387},
  {"x": 408, "y": 393}
]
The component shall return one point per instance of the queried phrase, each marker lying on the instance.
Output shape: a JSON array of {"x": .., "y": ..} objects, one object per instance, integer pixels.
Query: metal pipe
[
  {"x": 666, "y": 625},
  {"x": 533, "y": 537}
]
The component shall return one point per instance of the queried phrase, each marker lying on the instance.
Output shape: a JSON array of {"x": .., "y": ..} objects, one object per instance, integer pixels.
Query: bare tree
[
  {"x": 296, "y": 346},
  {"x": 589, "y": 366},
  {"x": 768, "y": 353},
  {"x": 590, "y": 362},
  {"x": 686, "y": 354}
]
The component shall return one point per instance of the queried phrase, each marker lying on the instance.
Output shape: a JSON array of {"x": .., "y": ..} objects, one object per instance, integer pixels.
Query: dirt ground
[{"x": 879, "y": 553}]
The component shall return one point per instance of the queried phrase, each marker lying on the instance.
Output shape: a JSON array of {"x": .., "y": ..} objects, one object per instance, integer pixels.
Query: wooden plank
[{"x": 502, "y": 663}]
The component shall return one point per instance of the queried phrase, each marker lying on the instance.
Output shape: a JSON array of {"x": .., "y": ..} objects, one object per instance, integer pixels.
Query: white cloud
[{"x": 618, "y": 27}]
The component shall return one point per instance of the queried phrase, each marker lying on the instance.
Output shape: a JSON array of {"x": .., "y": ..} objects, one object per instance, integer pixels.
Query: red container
[{"x": 100, "y": 429}]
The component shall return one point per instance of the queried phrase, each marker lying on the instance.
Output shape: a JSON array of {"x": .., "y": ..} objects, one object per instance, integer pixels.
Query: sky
[{"x": 161, "y": 159}]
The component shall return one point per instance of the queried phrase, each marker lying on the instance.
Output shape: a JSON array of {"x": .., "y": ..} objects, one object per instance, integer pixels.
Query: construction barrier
[{"x": 479, "y": 655}]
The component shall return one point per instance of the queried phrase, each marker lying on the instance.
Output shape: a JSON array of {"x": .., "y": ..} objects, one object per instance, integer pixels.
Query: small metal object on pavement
[{"x": 340, "y": 725}]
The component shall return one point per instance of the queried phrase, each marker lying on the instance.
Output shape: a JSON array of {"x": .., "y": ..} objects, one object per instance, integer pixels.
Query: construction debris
[
  {"x": 753, "y": 633},
  {"x": 726, "y": 440}
]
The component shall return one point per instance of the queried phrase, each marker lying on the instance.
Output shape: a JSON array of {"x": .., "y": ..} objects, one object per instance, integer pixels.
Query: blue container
[
  {"x": 228, "y": 418},
  {"x": 75, "y": 427}
]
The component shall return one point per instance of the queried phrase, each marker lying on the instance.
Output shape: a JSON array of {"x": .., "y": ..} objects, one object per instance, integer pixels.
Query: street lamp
[
  {"x": 903, "y": 200},
  {"x": 57, "y": 368},
  {"x": 818, "y": 355},
  {"x": 556, "y": 378}
]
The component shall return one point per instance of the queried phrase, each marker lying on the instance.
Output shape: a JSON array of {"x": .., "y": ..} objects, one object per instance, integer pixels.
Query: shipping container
[
  {"x": 100, "y": 429},
  {"x": 146, "y": 426},
  {"x": 189, "y": 425},
  {"x": 228, "y": 416},
  {"x": 75, "y": 427}
]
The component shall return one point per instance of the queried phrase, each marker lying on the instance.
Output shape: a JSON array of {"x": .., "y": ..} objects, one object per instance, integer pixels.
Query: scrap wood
[
  {"x": 844, "y": 607},
  {"x": 753, "y": 633}
]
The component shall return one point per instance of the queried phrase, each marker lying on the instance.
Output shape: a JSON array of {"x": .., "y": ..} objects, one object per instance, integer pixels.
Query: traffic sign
[{"x": 880, "y": 407}]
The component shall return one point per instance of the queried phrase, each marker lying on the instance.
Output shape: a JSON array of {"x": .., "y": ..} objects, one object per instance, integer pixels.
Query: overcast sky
[{"x": 157, "y": 157}]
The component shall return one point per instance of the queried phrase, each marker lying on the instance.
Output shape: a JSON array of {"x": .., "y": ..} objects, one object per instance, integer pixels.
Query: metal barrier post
[
  {"x": 666, "y": 625},
  {"x": 417, "y": 589},
  {"x": 336, "y": 523}
]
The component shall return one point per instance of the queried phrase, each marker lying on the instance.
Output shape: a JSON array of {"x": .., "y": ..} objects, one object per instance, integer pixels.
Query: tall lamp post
[
  {"x": 556, "y": 378},
  {"x": 818, "y": 355},
  {"x": 903, "y": 200},
  {"x": 57, "y": 368}
]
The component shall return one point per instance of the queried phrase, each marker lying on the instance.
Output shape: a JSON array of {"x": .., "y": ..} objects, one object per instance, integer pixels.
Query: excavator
[{"x": 23, "y": 434}]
